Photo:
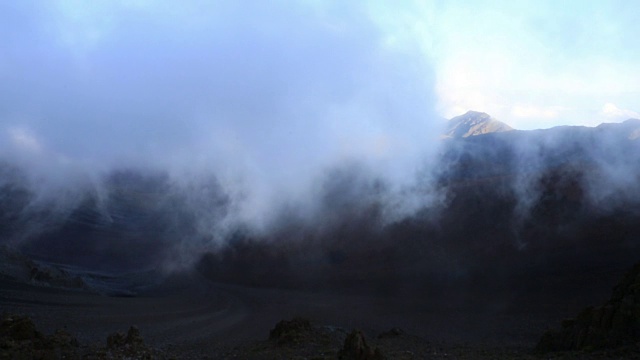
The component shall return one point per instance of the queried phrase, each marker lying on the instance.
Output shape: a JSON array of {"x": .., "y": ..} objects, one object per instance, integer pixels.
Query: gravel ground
[{"x": 192, "y": 318}]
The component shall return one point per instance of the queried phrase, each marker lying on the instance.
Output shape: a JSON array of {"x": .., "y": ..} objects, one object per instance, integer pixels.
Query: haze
[{"x": 270, "y": 97}]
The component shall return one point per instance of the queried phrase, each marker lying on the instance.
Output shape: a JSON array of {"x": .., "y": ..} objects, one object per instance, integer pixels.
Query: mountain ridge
[{"x": 474, "y": 123}]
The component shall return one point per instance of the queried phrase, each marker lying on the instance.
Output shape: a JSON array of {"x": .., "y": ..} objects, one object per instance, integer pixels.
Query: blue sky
[{"x": 282, "y": 89}]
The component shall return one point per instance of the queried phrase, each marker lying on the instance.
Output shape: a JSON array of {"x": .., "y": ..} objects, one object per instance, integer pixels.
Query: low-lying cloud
[
  {"x": 264, "y": 95},
  {"x": 172, "y": 131},
  {"x": 263, "y": 99}
]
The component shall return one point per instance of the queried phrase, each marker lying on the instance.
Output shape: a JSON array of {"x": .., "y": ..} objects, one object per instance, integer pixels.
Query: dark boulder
[
  {"x": 356, "y": 348},
  {"x": 18, "y": 328},
  {"x": 290, "y": 331}
]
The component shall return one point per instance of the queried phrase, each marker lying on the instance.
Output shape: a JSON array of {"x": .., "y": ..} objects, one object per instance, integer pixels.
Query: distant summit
[
  {"x": 474, "y": 123},
  {"x": 629, "y": 129}
]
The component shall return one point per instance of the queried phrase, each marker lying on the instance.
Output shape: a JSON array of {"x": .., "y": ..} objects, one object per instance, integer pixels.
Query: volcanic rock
[
  {"x": 130, "y": 346},
  {"x": 18, "y": 328},
  {"x": 290, "y": 331},
  {"x": 356, "y": 348},
  {"x": 614, "y": 324},
  {"x": 474, "y": 123},
  {"x": 19, "y": 339}
]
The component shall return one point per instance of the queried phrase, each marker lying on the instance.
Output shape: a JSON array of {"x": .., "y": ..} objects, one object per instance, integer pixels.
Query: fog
[
  {"x": 135, "y": 135},
  {"x": 265, "y": 97}
]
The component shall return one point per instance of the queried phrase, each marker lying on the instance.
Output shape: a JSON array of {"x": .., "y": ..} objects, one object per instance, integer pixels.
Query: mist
[
  {"x": 300, "y": 138},
  {"x": 261, "y": 100},
  {"x": 265, "y": 96}
]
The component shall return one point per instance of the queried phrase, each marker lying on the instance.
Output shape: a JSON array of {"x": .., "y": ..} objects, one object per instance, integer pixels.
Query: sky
[
  {"x": 537, "y": 64},
  {"x": 284, "y": 89}
]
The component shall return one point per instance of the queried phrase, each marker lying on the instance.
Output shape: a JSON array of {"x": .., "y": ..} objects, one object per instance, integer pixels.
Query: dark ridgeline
[
  {"x": 134, "y": 220},
  {"x": 545, "y": 213},
  {"x": 548, "y": 213},
  {"x": 473, "y": 123}
]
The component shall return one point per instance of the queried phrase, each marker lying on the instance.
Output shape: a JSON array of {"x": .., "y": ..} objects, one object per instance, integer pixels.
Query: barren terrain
[{"x": 188, "y": 316}]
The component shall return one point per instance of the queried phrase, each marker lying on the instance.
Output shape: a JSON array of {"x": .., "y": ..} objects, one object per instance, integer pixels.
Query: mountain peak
[
  {"x": 472, "y": 113},
  {"x": 474, "y": 123}
]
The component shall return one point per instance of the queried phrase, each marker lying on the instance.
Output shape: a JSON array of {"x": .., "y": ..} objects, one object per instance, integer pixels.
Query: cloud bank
[
  {"x": 265, "y": 95},
  {"x": 173, "y": 126}
]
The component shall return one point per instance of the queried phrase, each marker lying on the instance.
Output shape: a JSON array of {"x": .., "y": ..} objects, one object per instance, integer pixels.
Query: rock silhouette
[{"x": 614, "y": 324}]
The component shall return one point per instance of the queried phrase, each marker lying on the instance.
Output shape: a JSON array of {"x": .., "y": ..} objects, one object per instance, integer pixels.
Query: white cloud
[
  {"x": 533, "y": 111},
  {"x": 506, "y": 61},
  {"x": 612, "y": 112},
  {"x": 24, "y": 139}
]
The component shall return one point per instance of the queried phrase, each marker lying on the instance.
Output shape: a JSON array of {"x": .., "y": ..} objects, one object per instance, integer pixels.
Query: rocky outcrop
[
  {"x": 19, "y": 339},
  {"x": 128, "y": 346},
  {"x": 614, "y": 324},
  {"x": 356, "y": 348},
  {"x": 474, "y": 123},
  {"x": 290, "y": 331},
  {"x": 18, "y": 267}
]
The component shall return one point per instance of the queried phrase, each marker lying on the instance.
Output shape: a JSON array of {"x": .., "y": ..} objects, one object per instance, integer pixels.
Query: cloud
[
  {"x": 611, "y": 111},
  {"x": 525, "y": 111},
  {"x": 498, "y": 58},
  {"x": 222, "y": 113},
  {"x": 23, "y": 139},
  {"x": 266, "y": 95}
]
